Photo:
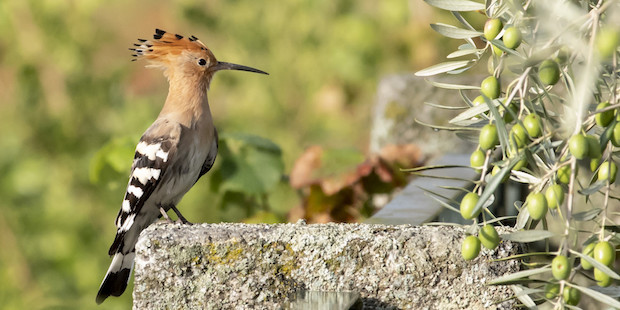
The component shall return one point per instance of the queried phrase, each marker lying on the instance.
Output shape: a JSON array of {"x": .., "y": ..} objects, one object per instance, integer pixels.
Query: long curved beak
[{"x": 230, "y": 66}]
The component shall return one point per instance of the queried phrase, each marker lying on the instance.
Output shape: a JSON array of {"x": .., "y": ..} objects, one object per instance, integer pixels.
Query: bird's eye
[{"x": 202, "y": 62}]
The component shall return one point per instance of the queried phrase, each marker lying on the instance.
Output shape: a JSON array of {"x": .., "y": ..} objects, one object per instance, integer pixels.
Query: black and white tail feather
[{"x": 149, "y": 167}]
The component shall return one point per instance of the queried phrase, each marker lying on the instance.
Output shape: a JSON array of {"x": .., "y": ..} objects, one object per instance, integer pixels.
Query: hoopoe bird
[{"x": 173, "y": 153}]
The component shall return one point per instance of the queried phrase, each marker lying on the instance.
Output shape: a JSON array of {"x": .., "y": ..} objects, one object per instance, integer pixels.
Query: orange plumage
[{"x": 168, "y": 50}]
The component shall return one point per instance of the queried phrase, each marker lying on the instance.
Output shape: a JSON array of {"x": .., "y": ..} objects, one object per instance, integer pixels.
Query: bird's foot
[
  {"x": 181, "y": 217},
  {"x": 165, "y": 216}
]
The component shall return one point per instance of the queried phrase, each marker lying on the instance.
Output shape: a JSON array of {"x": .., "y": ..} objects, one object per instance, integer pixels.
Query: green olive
[
  {"x": 490, "y": 87},
  {"x": 521, "y": 163},
  {"x": 554, "y": 195},
  {"x": 607, "y": 42},
  {"x": 468, "y": 203},
  {"x": 615, "y": 136},
  {"x": 604, "y": 253},
  {"x": 470, "y": 248},
  {"x": 512, "y": 37},
  {"x": 563, "y": 55},
  {"x": 478, "y": 101},
  {"x": 563, "y": 174},
  {"x": 532, "y": 125},
  {"x": 518, "y": 135},
  {"x": 552, "y": 290},
  {"x": 477, "y": 159},
  {"x": 561, "y": 267},
  {"x": 549, "y": 72},
  {"x": 509, "y": 113},
  {"x": 603, "y": 118},
  {"x": 488, "y": 137},
  {"x": 536, "y": 205},
  {"x": 602, "y": 279},
  {"x": 588, "y": 251},
  {"x": 497, "y": 51},
  {"x": 496, "y": 169},
  {"x": 594, "y": 163},
  {"x": 488, "y": 236},
  {"x": 492, "y": 28},
  {"x": 571, "y": 295},
  {"x": 578, "y": 146},
  {"x": 608, "y": 171}
]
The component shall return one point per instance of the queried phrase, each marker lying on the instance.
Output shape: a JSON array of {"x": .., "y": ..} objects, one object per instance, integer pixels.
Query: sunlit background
[{"x": 73, "y": 106}]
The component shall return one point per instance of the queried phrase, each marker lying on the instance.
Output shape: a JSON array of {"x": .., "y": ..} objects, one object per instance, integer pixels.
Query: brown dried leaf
[
  {"x": 302, "y": 173},
  {"x": 332, "y": 185},
  {"x": 384, "y": 171},
  {"x": 403, "y": 155}
]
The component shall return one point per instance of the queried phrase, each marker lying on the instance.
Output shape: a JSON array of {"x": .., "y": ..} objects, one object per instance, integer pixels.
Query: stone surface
[
  {"x": 240, "y": 266},
  {"x": 401, "y": 100}
]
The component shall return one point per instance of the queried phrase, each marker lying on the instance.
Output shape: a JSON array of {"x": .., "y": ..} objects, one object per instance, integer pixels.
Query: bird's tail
[{"x": 117, "y": 277}]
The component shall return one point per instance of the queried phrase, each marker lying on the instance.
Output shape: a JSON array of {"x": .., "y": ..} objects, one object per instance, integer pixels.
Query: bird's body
[{"x": 173, "y": 153}]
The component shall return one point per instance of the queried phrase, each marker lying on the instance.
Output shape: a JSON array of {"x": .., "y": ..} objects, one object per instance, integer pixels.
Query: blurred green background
[{"x": 73, "y": 106}]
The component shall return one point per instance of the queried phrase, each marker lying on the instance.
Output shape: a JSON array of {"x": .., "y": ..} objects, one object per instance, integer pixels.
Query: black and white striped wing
[{"x": 149, "y": 166}]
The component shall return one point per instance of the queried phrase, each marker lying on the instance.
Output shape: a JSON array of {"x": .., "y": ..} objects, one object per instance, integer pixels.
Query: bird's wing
[
  {"x": 153, "y": 156},
  {"x": 206, "y": 166}
]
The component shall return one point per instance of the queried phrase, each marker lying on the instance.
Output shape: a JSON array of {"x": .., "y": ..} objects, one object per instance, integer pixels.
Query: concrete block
[{"x": 241, "y": 266}]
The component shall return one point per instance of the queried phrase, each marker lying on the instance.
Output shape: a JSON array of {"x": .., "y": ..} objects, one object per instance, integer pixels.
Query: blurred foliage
[
  {"x": 73, "y": 107},
  {"x": 249, "y": 164},
  {"x": 251, "y": 168}
]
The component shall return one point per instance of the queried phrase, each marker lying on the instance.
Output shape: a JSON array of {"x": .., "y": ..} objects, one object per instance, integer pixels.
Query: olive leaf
[
  {"x": 597, "y": 296},
  {"x": 456, "y": 5},
  {"x": 451, "y": 86},
  {"x": 443, "y": 67},
  {"x": 455, "y": 32},
  {"x": 528, "y": 235},
  {"x": 511, "y": 278}
]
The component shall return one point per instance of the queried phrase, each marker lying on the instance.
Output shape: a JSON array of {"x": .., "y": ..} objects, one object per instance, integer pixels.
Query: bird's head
[{"x": 182, "y": 56}]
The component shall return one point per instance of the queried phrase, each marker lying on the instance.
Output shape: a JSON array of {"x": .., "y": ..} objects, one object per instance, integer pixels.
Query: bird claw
[
  {"x": 184, "y": 222},
  {"x": 165, "y": 216},
  {"x": 181, "y": 219}
]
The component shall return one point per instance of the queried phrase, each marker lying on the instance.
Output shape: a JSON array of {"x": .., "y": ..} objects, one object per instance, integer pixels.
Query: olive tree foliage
[{"x": 546, "y": 116}]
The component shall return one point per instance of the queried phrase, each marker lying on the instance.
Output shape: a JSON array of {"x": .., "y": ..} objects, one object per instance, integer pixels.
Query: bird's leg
[
  {"x": 181, "y": 217},
  {"x": 165, "y": 215}
]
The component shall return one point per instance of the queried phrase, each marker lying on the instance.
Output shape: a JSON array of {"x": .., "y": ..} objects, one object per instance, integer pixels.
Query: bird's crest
[{"x": 166, "y": 45}]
